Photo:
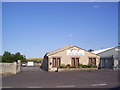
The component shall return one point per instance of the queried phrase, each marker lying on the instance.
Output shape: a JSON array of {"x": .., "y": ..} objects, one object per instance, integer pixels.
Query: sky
[{"x": 35, "y": 28}]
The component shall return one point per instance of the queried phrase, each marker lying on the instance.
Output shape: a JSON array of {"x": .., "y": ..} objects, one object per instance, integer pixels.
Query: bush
[
  {"x": 80, "y": 65},
  {"x": 84, "y": 66},
  {"x": 74, "y": 66},
  {"x": 63, "y": 66},
  {"x": 94, "y": 66},
  {"x": 89, "y": 66},
  {"x": 68, "y": 65}
]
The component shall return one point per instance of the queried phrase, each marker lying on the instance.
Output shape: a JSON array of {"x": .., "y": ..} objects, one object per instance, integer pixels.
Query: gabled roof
[
  {"x": 102, "y": 50},
  {"x": 59, "y": 50},
  {"x": 64, "y": 48}
]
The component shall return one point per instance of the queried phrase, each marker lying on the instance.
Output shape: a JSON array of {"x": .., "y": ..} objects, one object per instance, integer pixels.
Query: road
[{"x": 33, "y": 77}]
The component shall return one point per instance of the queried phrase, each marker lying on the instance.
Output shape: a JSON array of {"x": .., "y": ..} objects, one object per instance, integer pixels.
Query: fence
[{"x": 10, "y": 68}]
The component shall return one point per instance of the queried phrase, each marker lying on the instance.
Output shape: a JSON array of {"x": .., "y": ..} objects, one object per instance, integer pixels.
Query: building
[
  {"x": 109, "y": 57},
  {"x": 69, "y": 54}
]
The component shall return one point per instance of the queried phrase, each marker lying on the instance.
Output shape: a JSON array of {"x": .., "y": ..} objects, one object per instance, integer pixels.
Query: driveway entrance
[{"x": 30, "y": 69}]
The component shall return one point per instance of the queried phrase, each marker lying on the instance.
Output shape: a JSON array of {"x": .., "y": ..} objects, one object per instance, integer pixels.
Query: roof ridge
[
  {"x": 60, "y": 49},
  {"x": 102, "y": 50}
]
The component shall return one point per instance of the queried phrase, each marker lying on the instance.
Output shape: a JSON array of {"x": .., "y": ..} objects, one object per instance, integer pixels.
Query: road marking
[
  {"x": 34, "y": 87},
  {"x": 65, "y": 86},
  {"x": 6, "y": 87},
  {"x": 99, "y": 84}
]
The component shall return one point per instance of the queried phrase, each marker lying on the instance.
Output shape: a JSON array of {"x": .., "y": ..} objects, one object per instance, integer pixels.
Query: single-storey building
[
  {"x": 69, "y": 54},
  {"x": 109, "y": 57}
]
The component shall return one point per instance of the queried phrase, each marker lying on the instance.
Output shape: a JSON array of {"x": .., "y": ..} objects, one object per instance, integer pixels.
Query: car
[{"x": 23, "y": 64}]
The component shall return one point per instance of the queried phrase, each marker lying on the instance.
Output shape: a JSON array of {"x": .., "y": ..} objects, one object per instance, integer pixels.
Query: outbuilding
[
  {"x": 69, "y": 54},
  {"x": 109, "y": 57}
]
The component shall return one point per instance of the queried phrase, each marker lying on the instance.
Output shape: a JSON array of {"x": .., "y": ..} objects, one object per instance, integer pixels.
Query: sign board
[
  {"x": 117, "y": 49},
  {"x": 30, "y": 63},
  {"x": 75, "y": 52}
]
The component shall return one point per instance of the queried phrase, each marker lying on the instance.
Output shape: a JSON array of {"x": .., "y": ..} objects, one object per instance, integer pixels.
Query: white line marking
[
  {"x": 34, "y": 87},
  {"x": 99, "y": 84},
  {"x": 6, "y": 87},
  {"x": 66, "y": 86}
]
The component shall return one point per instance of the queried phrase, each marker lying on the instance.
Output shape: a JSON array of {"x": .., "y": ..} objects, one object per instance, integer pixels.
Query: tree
[
  {"x": 18, "y": 56},
  {"x": 90, "y": 50},
  {"x": 9, "y": 58}
]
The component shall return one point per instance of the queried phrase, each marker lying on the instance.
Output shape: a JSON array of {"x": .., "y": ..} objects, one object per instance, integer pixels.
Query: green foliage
[
  {"x": 90, "y": 50},
  {"x": 63, "y": 66},
  {"x": 87, "y": 66},
  {"x": 74, "y": 66},
  {"x": 94, "y": 66},
  {"x": 9, "y": 58},
  {"x": 68, "y": 65},
  {"x": 80, "y": 65},
  {"x": 84, "y": 66}
]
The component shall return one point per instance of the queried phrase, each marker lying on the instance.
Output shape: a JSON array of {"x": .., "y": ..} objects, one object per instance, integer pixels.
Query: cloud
[
  {"x": 96, "y": 6},
  {"x": 92, "y": 0},
  {"x": 70, "y": 35}
]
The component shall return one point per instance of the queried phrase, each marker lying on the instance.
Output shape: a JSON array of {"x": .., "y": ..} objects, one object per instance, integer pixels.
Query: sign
[
  {"x": 75, "y": 52},
  {"x": 117, "y": 49}
]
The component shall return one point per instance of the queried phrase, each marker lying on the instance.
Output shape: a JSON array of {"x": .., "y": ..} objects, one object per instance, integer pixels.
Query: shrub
[
  {"x": 68, "y": 65},
  {"x": 84, "y": 66},
  {"x": 89, "y": 66},
  {"x": 80, "y": 65},
  {"x": 74, "y": 66},
  {"x": 63, "y": 66},
  {"x": 71, "y": 66},
  {"x": 94, "y": 66}
]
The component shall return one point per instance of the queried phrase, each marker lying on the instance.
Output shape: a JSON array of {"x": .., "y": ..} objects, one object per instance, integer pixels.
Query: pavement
[{"x": 34, "y": 77}]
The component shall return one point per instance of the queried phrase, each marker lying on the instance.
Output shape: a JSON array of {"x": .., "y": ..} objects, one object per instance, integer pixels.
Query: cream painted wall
[{"x": 65, "y": 59}]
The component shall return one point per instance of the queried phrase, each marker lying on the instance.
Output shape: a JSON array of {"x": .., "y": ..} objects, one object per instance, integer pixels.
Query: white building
[{"x": 109, "y": 57}]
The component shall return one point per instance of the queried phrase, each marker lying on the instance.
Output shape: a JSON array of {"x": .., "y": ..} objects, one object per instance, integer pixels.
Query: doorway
[{"x": 74, "y": 61}]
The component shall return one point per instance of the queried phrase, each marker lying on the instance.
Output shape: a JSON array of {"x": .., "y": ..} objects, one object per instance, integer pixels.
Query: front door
[
  {"x": 56, "y": 62},
  {"x": 75, "y": 61}
]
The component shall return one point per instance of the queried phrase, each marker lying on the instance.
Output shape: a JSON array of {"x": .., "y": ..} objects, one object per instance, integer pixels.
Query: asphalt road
[{"x": 33, "y": 77}]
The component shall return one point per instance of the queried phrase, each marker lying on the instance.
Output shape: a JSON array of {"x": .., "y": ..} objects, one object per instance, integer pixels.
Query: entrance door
[
  {"x": 56, "y": 62},
  {"x": 75, "y": 61}
]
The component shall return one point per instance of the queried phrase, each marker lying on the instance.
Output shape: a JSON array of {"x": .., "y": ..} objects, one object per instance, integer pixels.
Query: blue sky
[{"x": 36, "y": 28}]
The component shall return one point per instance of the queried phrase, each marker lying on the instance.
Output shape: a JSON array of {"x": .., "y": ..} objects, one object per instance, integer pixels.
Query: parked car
[{"x": 23, "y": 64}]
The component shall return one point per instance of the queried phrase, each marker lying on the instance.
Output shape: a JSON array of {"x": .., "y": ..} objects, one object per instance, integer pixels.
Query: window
[
  {"x": 92, "y": 61},
  {"x": 56, "y": 62}
]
